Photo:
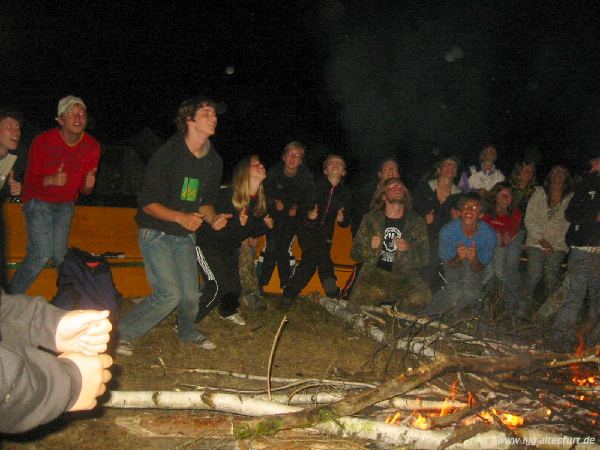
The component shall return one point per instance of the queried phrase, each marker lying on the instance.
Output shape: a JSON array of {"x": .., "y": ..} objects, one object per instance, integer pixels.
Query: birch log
[
  {"x": 352, "y": 427},
  {"x": 237, "y": 404},
  {"x": 417, "y": 345}
]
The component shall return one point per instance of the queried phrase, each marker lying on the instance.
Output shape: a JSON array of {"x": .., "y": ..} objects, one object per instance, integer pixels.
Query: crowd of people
[{"x": 438, "y": 250}]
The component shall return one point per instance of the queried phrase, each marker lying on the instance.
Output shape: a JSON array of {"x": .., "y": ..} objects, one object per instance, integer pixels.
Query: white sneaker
[
  {"x": 204, "y": 343},
  {"x": 124, "y": 348},
  {"x": 236, "y": 318}
]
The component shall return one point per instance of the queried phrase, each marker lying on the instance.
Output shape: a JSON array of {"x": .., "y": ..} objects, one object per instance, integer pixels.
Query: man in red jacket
[{"x": 62, "y": 163}]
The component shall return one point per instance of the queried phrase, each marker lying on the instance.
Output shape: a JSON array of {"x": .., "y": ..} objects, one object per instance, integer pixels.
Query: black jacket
[
  {"x": 298, "y": 190},
  {"x": 329, "y": 200},
  {"x": 582, "y": 212}
]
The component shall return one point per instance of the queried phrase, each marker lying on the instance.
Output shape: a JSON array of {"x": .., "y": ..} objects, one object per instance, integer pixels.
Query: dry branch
[
  {"x": 357, "y": 402},
  {"x": 419, "y": 346}
]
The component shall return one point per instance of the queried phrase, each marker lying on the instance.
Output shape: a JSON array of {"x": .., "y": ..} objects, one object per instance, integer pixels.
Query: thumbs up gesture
[
  {"x": 58, "y": 179},
  {"x": 14, "y": 186},
  {"x": 313, "y": 213},
  {"x": 90, "y": 180}
]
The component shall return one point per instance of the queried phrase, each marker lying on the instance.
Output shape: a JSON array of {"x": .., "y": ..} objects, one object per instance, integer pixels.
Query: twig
[
  {"x": 274, "y": 379},
  {"x": 275, "y": 340}
]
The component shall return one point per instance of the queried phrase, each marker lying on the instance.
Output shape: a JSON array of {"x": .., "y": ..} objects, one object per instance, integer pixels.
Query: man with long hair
[{"x": 392, "y": 244}]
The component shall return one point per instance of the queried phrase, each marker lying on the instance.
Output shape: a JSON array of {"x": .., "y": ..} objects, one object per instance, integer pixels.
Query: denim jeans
[
  {"x": 505, "y": 269},
  {"x": 464, "y": 289},
  {"x": 172, "y": 271},
  {"x": 584, "y": 277},
  {"x": 539, "y": 264},
  {"x": 48, "y": 226}
]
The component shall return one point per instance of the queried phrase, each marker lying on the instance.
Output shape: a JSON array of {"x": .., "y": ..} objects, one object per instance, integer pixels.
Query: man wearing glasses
[
  {"x": 62, "y": 163},
  {"x": 466, "y": 247},
  {"x": 290, "y": 192}
]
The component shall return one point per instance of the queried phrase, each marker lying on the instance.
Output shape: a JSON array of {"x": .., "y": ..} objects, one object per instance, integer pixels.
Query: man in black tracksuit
[
  {"x": 289, "y": 189},
  {"x": 333, "y": 203}
]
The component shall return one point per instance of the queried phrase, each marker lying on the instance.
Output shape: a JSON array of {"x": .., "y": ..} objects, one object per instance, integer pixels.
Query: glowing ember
[{"x": 586, "y": 381}]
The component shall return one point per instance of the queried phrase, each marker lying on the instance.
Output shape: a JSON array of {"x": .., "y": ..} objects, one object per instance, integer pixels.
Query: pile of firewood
[{"x": 462, "y": 390}]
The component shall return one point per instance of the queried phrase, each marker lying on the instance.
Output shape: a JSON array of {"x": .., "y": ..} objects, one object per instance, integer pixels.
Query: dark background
[{"x": 365, "y": 79}]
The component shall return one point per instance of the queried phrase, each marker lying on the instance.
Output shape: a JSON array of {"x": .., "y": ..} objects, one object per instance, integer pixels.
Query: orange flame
[
  {"x": 508, "y": 419},
  {"x": 393, "y": 419},
  {"x": 421, "y": 422}
]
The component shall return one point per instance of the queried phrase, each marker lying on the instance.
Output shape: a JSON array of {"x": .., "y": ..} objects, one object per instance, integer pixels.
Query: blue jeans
[
  {"x": 539, "y": 264},
  {"x": 464, "y": 289},
  {"x": 48, "y": 226},
  {"x": 584, "y": 277},
  {"x": 172, "y": 271},
  {"x": 505, "y": 268}
]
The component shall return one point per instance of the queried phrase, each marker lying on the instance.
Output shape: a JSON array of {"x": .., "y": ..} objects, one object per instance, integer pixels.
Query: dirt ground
[{"x": 312, "y": 344}]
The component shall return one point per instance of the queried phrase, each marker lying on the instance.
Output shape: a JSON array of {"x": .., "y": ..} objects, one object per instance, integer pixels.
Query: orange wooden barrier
[{"x": 101, "y": 229}]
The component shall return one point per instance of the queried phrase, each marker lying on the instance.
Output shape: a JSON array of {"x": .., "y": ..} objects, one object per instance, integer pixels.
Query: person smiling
[
  {"x": 180, "y": 188},
  {"x": 10, "y": 134},
  {"x": 62, "y": 164}
]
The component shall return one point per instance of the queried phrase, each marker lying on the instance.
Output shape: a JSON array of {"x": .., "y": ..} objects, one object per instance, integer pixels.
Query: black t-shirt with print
[{"x": 392, "y": 230}]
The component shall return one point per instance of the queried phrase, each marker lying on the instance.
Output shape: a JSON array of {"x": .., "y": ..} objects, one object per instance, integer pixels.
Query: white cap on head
[{"x": 65, "y": 104}]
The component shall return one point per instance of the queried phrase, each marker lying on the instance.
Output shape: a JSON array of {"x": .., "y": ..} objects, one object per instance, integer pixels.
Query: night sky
[{"x": 364, "y": 79}]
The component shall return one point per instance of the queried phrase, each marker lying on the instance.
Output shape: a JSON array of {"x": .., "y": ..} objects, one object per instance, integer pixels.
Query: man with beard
[
  {"x": 362, "y": 196},
  {"x": 466, "y": 247},
  {"x": 392, "y": 244}
]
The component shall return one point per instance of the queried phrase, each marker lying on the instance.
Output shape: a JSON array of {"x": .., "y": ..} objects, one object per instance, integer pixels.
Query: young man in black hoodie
[
  {"x": 584, "y": 260},
  {"x": 289, "y": 189},
  {"x": 333, "y": 203}
]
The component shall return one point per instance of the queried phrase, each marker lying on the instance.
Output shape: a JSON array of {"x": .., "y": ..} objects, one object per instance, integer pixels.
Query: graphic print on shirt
[
  {"x": 189, "y": 189},
  {"x": 388, "y": 247}
]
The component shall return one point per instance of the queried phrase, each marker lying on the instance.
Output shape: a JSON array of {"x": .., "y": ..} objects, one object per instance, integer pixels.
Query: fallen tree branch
[
  {"x": 419, "y": 346},
  {"x": 357, "y": 402},
  {"x": 236, "y": 403}
]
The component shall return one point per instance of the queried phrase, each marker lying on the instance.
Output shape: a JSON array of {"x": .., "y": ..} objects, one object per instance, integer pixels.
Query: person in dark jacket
[
  {"x": 436, "y": 200},
  {"x": 218, "y": 252},
  {"x": 10, "y": 134},
  {"x": 36, "y": 386},
  {"x": 584, "y": 261},
  {"x": 333, "y": 203},
  {"x": 180, "y": 187},
  {"x": 290, "y": 191}
]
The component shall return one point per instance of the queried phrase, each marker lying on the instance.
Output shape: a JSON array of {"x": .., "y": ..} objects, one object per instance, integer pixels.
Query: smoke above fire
[{"x": 421, "y": 80}]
